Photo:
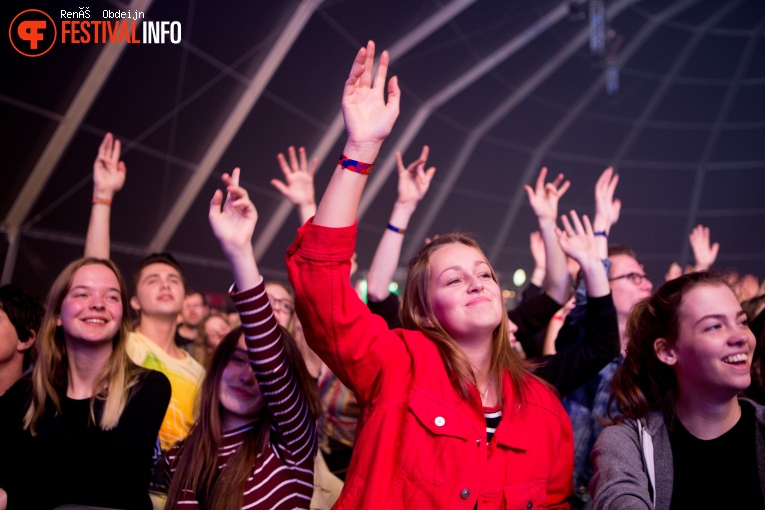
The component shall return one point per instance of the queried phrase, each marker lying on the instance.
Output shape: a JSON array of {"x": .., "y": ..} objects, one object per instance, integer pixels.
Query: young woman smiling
[
  {"x": 94, "y": 415},
  {"x": 685, "y": 439},
  {"x": 450, "y": 416}
]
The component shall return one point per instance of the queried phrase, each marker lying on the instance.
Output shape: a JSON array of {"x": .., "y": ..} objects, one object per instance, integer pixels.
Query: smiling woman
[
  {"x": 683, "y": 426},
  {"x": 92, "y": 425}
]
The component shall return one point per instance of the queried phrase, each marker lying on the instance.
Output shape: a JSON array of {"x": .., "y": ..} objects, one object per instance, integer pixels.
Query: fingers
[
  {"x": 394, "y": 96},
  {"x": 424, "y": 154},
  {"x": 564, "y": 188},
  {"x": 293, "y": 159},
  {"x": 215, "y": 203},
  {"x": 303, "y": 160},
  {"x": 357, "y": 70},
  {"x": 541, "y": 178},
  {"x": 286, "y": 170},
  {"x": 283, "y": 189},
  {"x": 382, "y": 70},
  {"x": 365, "y": 79}
]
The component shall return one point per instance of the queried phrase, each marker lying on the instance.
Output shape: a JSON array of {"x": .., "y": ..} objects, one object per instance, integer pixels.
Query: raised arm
[
  {"x": 108, "y": 178},
  {"x": 368, "y": 120},
  {"x": 413, "y": 183},
  {"x": 233, "y": 224},
  {"x": 577, "y": 363},
  {"x": 607, "y": 209},
  {"x": 537, "y": 246},
  {"x": 704, "y": 252},
  {"x": 543, "y": 199},
  {"x": 298, "y": 187}
]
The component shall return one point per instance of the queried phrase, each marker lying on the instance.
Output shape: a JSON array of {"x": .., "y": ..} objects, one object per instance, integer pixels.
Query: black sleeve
[
  {"x": 532, "y": 315},
  {"x": 138, "y": 429},
  {"x": 387, "y": 309},
  {"x": 580, "y": 362}
]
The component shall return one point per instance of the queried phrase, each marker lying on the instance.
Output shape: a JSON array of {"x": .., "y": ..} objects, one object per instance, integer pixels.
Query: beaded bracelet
[
  {"x": 102, "y": 201},
  {"x": 397, "y": 230},
  {"x": 355, "y": 166}
]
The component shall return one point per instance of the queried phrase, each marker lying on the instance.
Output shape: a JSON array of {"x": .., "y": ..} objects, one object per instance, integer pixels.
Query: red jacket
[{"x": 419, "y": 445}]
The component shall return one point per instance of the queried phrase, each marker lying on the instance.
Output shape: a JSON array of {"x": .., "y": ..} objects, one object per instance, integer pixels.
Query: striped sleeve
[{"x": 278, "y": 384}]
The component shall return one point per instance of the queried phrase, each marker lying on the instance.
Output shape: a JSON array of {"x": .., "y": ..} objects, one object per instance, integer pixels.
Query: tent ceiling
[{"x": 496, "y": 88}]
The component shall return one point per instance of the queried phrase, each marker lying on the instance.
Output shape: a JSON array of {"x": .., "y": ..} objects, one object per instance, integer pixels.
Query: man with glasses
[{"x": 588, "y": 405}]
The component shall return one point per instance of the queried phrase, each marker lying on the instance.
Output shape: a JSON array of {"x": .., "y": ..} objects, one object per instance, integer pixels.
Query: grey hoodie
[{"x": 633, "y": 463}]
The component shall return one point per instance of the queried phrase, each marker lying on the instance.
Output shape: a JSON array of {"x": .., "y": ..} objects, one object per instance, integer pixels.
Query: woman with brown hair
[
  {"x": 254, "y": 441},
  {"x": 684, "y": 438},
  {"x": 451, "y": 418},
  {"x": 94, "y": 415}
]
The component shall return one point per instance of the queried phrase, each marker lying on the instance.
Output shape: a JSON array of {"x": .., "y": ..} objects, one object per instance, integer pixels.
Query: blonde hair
[
  {"x": 51, "y": 373},
  {"x": 417, "y": 314}
]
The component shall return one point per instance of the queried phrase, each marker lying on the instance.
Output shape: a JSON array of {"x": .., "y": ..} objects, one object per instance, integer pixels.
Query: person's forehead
[
  {"x": 624, "y": 264},
  {"x": 194, "y": 298},
  {"x": 455, "y": 254},
  {"x": 277, "y": 291},
  {"x": 160, "y": 269}
]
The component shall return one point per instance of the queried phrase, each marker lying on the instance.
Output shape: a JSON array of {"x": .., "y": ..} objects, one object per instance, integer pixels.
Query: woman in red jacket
[{"x": 451, "y": 418}]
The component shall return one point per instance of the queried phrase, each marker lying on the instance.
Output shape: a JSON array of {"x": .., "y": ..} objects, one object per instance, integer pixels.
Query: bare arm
[
  {"x": 298, "y": 188},
  {"x": 537, "y": 246},
  {"x": 413, "y": 183},
  {"x": 607, "y": 209},
  {"x": 108, "y": 178},
  {"x": 368, "y": 120},
  {"x": 544, "y": 201}
]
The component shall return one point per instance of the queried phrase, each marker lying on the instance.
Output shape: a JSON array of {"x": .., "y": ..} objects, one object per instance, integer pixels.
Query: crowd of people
[{"x": 595, "y": 391}]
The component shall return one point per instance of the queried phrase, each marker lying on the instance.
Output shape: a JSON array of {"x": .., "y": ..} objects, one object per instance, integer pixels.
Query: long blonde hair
[
  {"x": 417, "y": 314},
  {"x": 51, "y": 373}
]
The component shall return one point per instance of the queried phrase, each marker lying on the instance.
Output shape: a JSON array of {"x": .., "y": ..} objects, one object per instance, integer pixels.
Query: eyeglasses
[
  {"x": 635, "y": 278},
  {"x": 282, "y": 305}
]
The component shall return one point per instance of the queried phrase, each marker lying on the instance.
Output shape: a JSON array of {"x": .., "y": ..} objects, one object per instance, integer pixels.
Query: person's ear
[
  {"x": 664, "y": 351},
  {"x": 134, "y": 304},
  {"x": 29, "y": 342}
]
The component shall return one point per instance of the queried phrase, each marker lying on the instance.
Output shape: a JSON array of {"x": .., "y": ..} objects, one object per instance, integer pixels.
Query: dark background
[{"x": 685, "y": 131}]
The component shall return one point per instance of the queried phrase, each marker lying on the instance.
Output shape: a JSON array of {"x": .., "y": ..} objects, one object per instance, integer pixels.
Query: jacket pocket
[
  {"x": 433, "y": 441},
  {"x": 532, "y": 496}
]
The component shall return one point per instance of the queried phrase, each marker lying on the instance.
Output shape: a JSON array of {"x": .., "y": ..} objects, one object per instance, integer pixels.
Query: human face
[
  {"x": 712, "y": 356},
  {"x": 624, "y": 291},
  {"x": 215, "y": 329},
  {"x": 466, "y": 299},
  {"x": 240, "y": 397},
  {"x": 92, "y": 308},
  {"x": 159, "y": 291},
  {"x": 10, "y": 343},
  {"x": 194, "y": 310},
  {"x": 281, "y": 303}
]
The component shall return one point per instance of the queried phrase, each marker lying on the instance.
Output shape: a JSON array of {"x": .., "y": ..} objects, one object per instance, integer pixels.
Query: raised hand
[
  {"x": 704, "y": 252},
  {"x": 544, "y": 198},
  {"x": 414, "y": 180},
  {"x": 607, "y": 208},
  {"x": 577, "y": 239},
  {"x": 298, "y": 176},
  {"x": 108, "y": 171},
  {"x": 368, "y": 118},
  {"x": 674, "y": 271},
  {"x": 233, "y": 223}
]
